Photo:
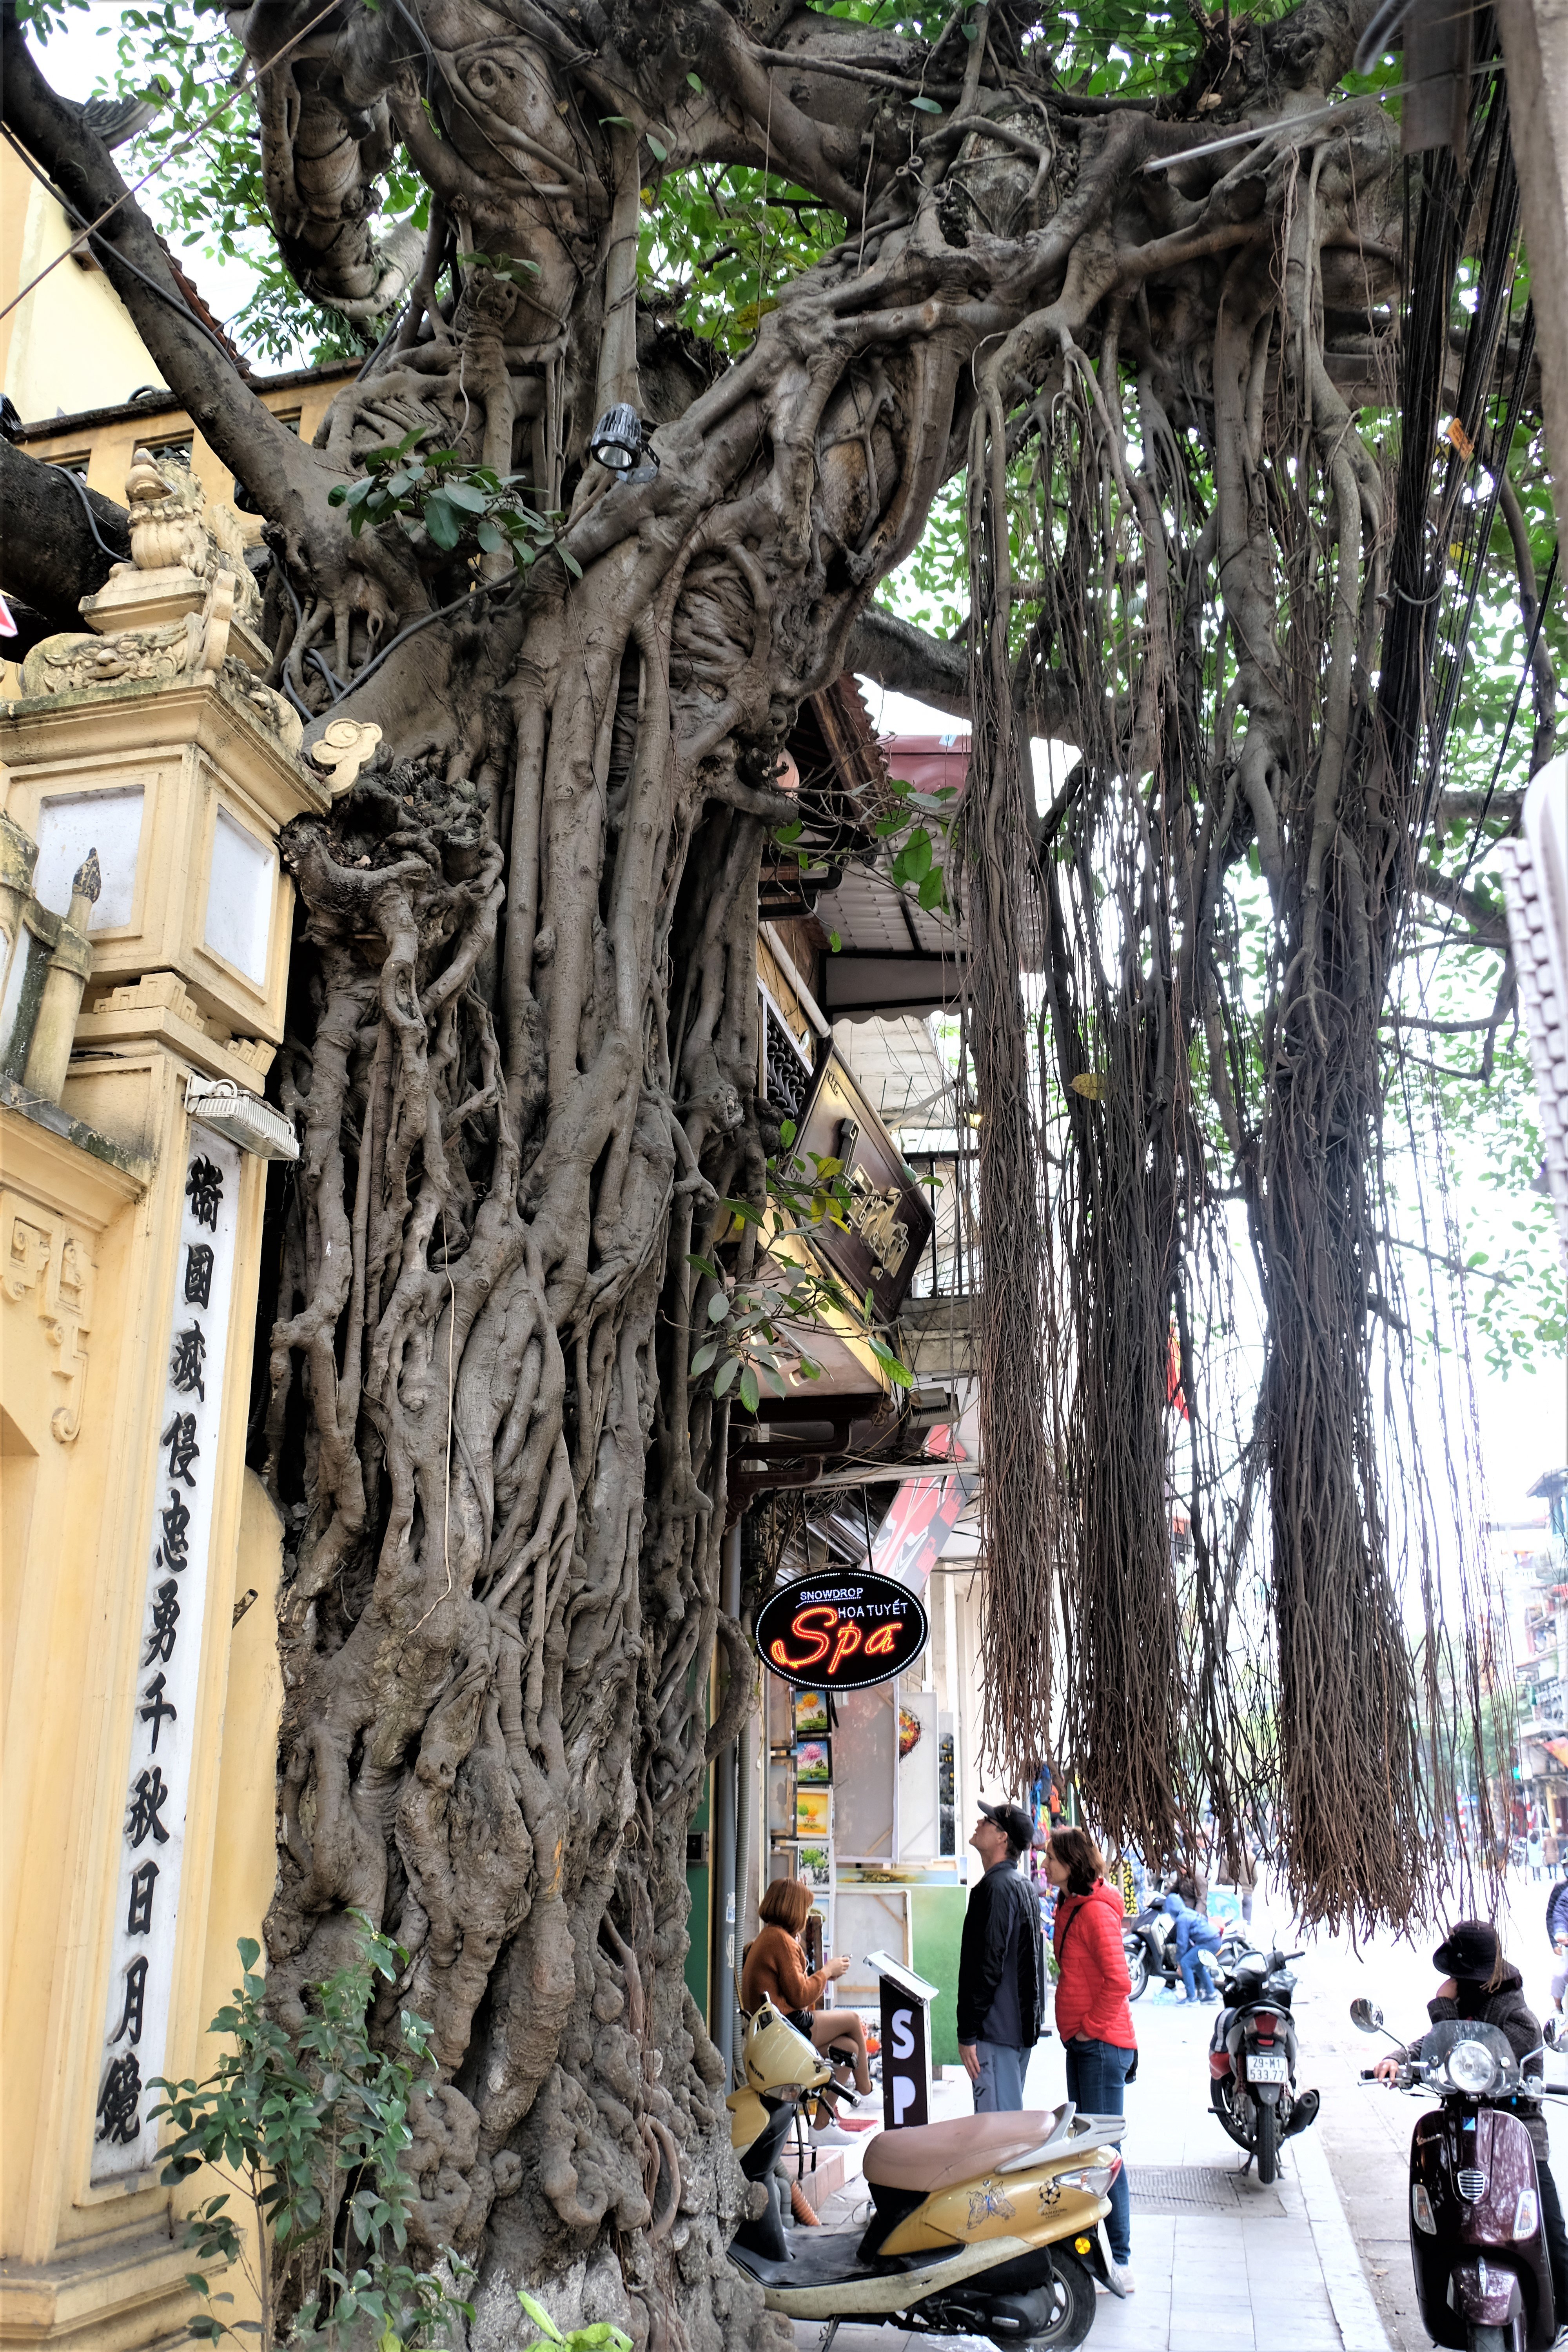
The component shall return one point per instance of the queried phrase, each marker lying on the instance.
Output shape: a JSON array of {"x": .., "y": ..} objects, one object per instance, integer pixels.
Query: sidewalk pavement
[{"x": 1221, "y": 2264}]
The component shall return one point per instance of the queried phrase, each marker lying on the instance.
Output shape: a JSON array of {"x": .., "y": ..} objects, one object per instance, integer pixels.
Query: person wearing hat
[
  {"x": 1001, "y": 1965},
  {"x": 1478, "y": 1982}
]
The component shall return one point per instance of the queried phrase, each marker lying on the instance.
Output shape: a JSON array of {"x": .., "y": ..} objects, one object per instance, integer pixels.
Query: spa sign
[{"x": 840, "y": 1632}]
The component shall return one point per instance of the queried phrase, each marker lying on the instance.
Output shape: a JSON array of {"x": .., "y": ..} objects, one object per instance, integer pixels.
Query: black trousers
[{"x": 1556, "y": 2237}]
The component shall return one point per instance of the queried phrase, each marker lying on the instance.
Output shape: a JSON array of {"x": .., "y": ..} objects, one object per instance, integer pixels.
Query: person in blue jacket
[
  {"x": 1194, "y": 1934},
  {"x": 1557, "y": 1936}
]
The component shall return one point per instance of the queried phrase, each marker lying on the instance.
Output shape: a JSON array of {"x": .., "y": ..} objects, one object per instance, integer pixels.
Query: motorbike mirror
[
  {"x": 1553, "y": 2035},
  {"x": 1366, "y": 2014}
]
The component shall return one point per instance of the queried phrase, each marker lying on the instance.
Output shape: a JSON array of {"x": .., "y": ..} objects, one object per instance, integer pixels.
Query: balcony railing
[{"x": 950, "y": 1264}]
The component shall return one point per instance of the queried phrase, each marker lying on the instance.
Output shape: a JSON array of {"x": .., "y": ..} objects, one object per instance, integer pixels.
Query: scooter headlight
[
  {"x": 1421, "y": 2209},
  {"x": 1472, "y": 2068},
  {"x": 1526, "y": 2214}
]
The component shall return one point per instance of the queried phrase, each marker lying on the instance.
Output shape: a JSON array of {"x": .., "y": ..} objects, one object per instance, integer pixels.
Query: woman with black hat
[{"x": 1481, "y": 1984}]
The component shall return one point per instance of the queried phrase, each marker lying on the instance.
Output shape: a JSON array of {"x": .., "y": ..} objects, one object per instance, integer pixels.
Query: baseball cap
[{"x": 1013, "y": 1820}]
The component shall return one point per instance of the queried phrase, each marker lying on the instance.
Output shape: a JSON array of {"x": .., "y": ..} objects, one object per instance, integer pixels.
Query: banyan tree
[{"x": 581, "y": 566}]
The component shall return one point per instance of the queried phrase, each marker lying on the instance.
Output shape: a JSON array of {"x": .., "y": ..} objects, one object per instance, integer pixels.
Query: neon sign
[{"x": 841, "y": 1633}]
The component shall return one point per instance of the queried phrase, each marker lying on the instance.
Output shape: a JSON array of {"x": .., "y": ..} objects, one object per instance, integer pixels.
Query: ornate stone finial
[
  {"x": 87, "y": 882},
  {"x": 165, "y": 514},
  {"x": 345, "y": 747}
]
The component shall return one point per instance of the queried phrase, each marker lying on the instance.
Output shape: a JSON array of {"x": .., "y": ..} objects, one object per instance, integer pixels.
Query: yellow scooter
[{"x": 991, "y": 2225}]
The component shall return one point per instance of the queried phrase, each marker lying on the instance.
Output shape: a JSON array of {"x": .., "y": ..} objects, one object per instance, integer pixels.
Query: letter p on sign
[{"x": 904, "y": 2096}]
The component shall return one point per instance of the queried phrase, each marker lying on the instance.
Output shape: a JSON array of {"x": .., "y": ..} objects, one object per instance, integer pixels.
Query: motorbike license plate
[{"x": 1267, "y": 2066}]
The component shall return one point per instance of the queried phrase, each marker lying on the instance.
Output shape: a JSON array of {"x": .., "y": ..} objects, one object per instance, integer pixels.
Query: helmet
[{"x": 777, "y": 2057}]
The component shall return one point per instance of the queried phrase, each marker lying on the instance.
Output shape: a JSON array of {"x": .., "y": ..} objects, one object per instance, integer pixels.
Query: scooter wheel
[
  {"x": 1074, "y": 2315},
  {"x": 1487, "y": 2340},
  {"x": 1138, "y": 1975},
  {"x": 1268, "y": 2143}
]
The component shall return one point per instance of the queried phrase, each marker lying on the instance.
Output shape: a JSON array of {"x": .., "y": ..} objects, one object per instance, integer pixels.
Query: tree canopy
[{"x": 680, "y": 324}]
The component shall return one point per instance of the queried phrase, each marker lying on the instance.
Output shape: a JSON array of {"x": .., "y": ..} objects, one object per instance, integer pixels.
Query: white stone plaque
[
  {"x": 240, "y": 890},
  {"x": 70, "y": 824},
  {"x": 152, "y": 1829}
]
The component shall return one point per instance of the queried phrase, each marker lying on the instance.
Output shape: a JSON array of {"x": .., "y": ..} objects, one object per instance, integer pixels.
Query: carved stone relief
[{"x": 41, "y": 1257}]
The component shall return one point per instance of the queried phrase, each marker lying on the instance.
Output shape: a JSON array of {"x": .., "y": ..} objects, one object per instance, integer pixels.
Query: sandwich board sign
[{"x": 906, "y": 2041}]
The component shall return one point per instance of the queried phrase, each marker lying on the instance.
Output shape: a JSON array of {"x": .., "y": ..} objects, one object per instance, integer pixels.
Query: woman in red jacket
[{"x": 1092, "y": 2014}]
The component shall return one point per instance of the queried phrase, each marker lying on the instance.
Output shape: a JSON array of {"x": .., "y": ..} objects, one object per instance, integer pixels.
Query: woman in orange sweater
[{"x": 775, "y": 1970}]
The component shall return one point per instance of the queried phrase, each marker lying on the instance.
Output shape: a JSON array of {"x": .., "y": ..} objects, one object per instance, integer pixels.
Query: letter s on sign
[
  {"x": 903, "y": 2033},
  {"x": 812, "y": 1626}
]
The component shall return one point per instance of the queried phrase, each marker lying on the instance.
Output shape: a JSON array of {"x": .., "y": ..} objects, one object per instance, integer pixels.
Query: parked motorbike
[
  {"x": 1483, "y": 2278},
  {"x": 991, "y": 2225},
  {"x": 1252, "y": 2059},
  {"x": 1148, "y": 1940}
]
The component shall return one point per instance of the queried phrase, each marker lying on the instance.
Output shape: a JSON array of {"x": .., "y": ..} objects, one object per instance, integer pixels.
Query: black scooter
[
  {"x": 1483, "y": 2278},
  {"x": 1149, "y": 1942},
  {"x": 1252, "y": 2059}
]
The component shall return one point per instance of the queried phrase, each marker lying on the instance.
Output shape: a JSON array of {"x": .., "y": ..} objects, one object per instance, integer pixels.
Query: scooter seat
[{"x": 929, "y": 2157}]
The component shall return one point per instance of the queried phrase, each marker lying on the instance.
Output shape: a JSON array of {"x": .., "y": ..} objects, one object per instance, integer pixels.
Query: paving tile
[{"x": 1219, "y": 2281}]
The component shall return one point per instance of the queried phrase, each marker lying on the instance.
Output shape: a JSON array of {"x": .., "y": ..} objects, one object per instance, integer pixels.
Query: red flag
[{"x": 1175, "y": 1393}]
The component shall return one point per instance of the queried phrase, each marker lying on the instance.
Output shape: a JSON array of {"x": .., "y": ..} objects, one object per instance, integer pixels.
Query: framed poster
[{"x": 812, "y": 1814}]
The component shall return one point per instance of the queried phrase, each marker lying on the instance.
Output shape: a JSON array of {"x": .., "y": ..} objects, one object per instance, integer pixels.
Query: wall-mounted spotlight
[{"x": 616, "y": 441}]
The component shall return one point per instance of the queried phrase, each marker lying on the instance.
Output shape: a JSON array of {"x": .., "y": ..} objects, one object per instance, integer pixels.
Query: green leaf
[
  {"x": 569, "y": 561},
  {"x": 726, "y": 1373},
  {"x": 540, "y": 2318},
  {"x": 787, "y": 1130},
  {"x": 925, "y": 105},
  {"x": 492, "y": 539},
  {"x": 464, "y": 494},
  {"x": 833, "y": 941},
  {"x": 695, "y": 84},
  {"x": 704, "y": 1357},
  {"x": 933, "y": 891},
  {"x": 657, "y": 148},
  {"x": 749, "y": 1389},
  {"x": 441, "y": 522},
  {"x": 718, "y": 1307}
]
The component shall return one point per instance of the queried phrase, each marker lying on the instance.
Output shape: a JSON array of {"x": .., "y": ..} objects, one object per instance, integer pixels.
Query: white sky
[{"x": 77, "y": 61}]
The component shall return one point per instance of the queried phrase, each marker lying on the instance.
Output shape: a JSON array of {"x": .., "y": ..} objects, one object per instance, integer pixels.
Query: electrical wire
[
  {"x": 177, "y": 300},
  {"x": 251, "y": 77},
  {"x": 115, "y": 555}
]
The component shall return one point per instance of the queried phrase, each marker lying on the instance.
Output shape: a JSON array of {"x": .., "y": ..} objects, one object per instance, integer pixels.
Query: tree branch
[
  {"x": 1487, "y": 923},
  {"x": 907, "y": 661},
  {"x": 740, "y": 1691},
  {"x": 49, "y": 558},
  {"x": 1464, "y": 808},
  {"x": 285, "y": 478}
]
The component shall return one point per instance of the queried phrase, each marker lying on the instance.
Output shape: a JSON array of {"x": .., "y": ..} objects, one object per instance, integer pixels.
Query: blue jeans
[
  {"x": 999, "y": 2086},
  {"x": 1202, "y": 1939},
  {"x": 1097, "y": 2076}
]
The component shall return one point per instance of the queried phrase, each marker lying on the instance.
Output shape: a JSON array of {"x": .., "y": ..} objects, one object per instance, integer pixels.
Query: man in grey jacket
[{"x": 1001, "y": 1965}]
